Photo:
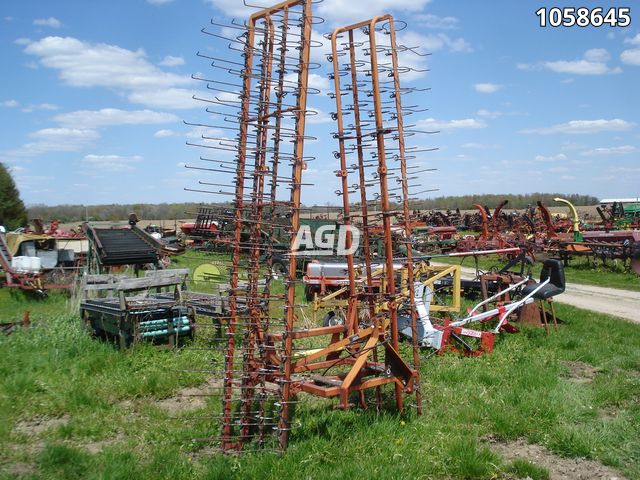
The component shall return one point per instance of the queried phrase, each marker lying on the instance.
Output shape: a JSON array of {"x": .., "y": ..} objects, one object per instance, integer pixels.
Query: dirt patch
[
  {"x": 204, "y": 453},
  {"x": 190, "y": 398},
  {"x": 580, "y": 372},
  {"x": 559, "y": 468},
  {"x": 33, "y": 448},
  {"x": 608, "y": 414},
  {"x": 100, "y": 445},
  {"x": 38, "y": 426},
  {"x": 21, "y": 469}
]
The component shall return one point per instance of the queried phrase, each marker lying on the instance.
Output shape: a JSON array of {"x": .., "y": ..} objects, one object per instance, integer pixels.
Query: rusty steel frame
[
  {"x": 266, "y": 360},
  {"x": 256, "y": 374},
  {"x": 384, "y": 127},
  {"x": 256, "y": 370}
]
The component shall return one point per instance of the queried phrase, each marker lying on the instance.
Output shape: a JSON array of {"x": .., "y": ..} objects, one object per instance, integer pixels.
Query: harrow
[{"x": 269, "y": 356}]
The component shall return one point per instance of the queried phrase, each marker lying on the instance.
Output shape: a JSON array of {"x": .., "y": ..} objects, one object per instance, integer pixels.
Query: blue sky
[{"x": 93, "y": 95}]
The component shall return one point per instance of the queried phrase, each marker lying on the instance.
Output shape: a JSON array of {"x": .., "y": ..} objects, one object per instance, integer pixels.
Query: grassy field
[
  {"x": 75, "y": 407},
  {"x": 580, "y": 270}
]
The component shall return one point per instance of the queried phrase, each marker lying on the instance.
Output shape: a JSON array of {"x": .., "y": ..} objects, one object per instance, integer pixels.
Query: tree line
[
  {"x": 519, "y": 201},
  {"x": 114, "y": 212},
  {"x": 173, "y": 211}
]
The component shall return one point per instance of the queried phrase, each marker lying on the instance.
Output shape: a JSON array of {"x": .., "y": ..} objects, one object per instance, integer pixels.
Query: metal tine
[
  {"x": 216, "y": 102},
  {"x": 259, "y": 102},
  {"x": 307, "y": 65},
  {"x": 209, "y": 80},
  {"x": 204, "y": 125},
  {"x": 218, "y": 59},
  {"x": 233, "y": 40}
]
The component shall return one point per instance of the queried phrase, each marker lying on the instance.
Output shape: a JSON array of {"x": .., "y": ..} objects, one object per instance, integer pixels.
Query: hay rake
[{"x": 267, "y": 358}]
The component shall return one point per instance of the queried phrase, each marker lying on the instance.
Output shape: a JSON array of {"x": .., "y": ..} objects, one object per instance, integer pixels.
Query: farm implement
[
  {"x": 113, "y": 307},
  {"x": 605, "y": 245},
  {"x": 121, "y": 246},
  {"x": 37, "y": 262},
  {"x": 270, "y": 354},
  {"x": 507, "y": 305}
]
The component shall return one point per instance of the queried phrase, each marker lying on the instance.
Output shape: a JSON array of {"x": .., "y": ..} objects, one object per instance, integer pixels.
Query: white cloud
[
  {"x": 478, "y": 146},
  {"x": 316, "y": 116},
  {"x": 631, "y": 57},
  {"x": 27, "y": 182},
  {"x": 625, "y": 170},
  {"x": 10, "y": 104},
  {"x": 58, "y": 140},
  {"x": 173, "y": 98},
  {"x": 592, "y": 63},
  {"x": 585, "y": 127},
  {"x": 577, "y": 67},
  {"x": 111, "y": 163},
  {"x": 487, "y": 87},
  {"x": 458, "y": 45},
  {"x": 171, "y": 61},
  {"x": 199, "y": 132},
  {"x": 436, "y": 22},
  {"x": 609, "y": 151},
  {"x": 82, "y": 64},
  {"x": 321, "y": 82},
  {"x": 40, "y": 106},
  {"x": 87, "y": 65},
  {"x": 113, "y": 116},
  {"x": 527, "y": 67},
  {"x": 634, "y": 40},
  {"x": 229, "y": 97},
  {"x": 433, "y": 42},
  {"x": 164, "y": 133},
  {"x": 17, "y": 169},
  {"x": 559, "y": 169},
  {"x": 489, "y": 114},
  {"x": 432, "y": 124},
  {"x": 22, "y": 41},
  {"x": 47, "y": 22},
  {"x": 597, "y": 55},
  {"x": 552, "y": 158}
]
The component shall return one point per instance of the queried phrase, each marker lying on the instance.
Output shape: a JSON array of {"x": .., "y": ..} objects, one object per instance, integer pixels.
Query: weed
[{"x": 526, "y": 469}]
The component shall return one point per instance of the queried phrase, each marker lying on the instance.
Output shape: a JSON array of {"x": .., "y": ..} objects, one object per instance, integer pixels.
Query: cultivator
[
  {"x": 21, "y": 273},
  {"x": 270, "y": 354}
]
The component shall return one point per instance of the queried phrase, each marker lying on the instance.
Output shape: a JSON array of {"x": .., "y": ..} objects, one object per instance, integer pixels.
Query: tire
[
  {"x": 331, "y": 319},
  {"x": 310, "y": 291},
  {"x": 279, "y": 269}
]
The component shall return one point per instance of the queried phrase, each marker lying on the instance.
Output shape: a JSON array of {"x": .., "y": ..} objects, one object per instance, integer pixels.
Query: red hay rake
[{"x": 269, "y": 354}]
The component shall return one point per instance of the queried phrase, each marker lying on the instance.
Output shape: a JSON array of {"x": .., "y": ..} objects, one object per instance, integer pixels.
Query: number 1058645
[{"x": 584, "y": 17}]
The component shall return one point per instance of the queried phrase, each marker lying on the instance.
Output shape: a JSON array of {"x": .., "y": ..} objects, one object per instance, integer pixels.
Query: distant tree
[{"x": 12, "y": 211}]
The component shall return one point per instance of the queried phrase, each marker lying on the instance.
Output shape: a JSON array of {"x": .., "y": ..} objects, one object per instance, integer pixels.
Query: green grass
[
  {"x": 109, "y": 423},
  {"x": 525, "y": 469},
  {"x": 580, "y": 270}
]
